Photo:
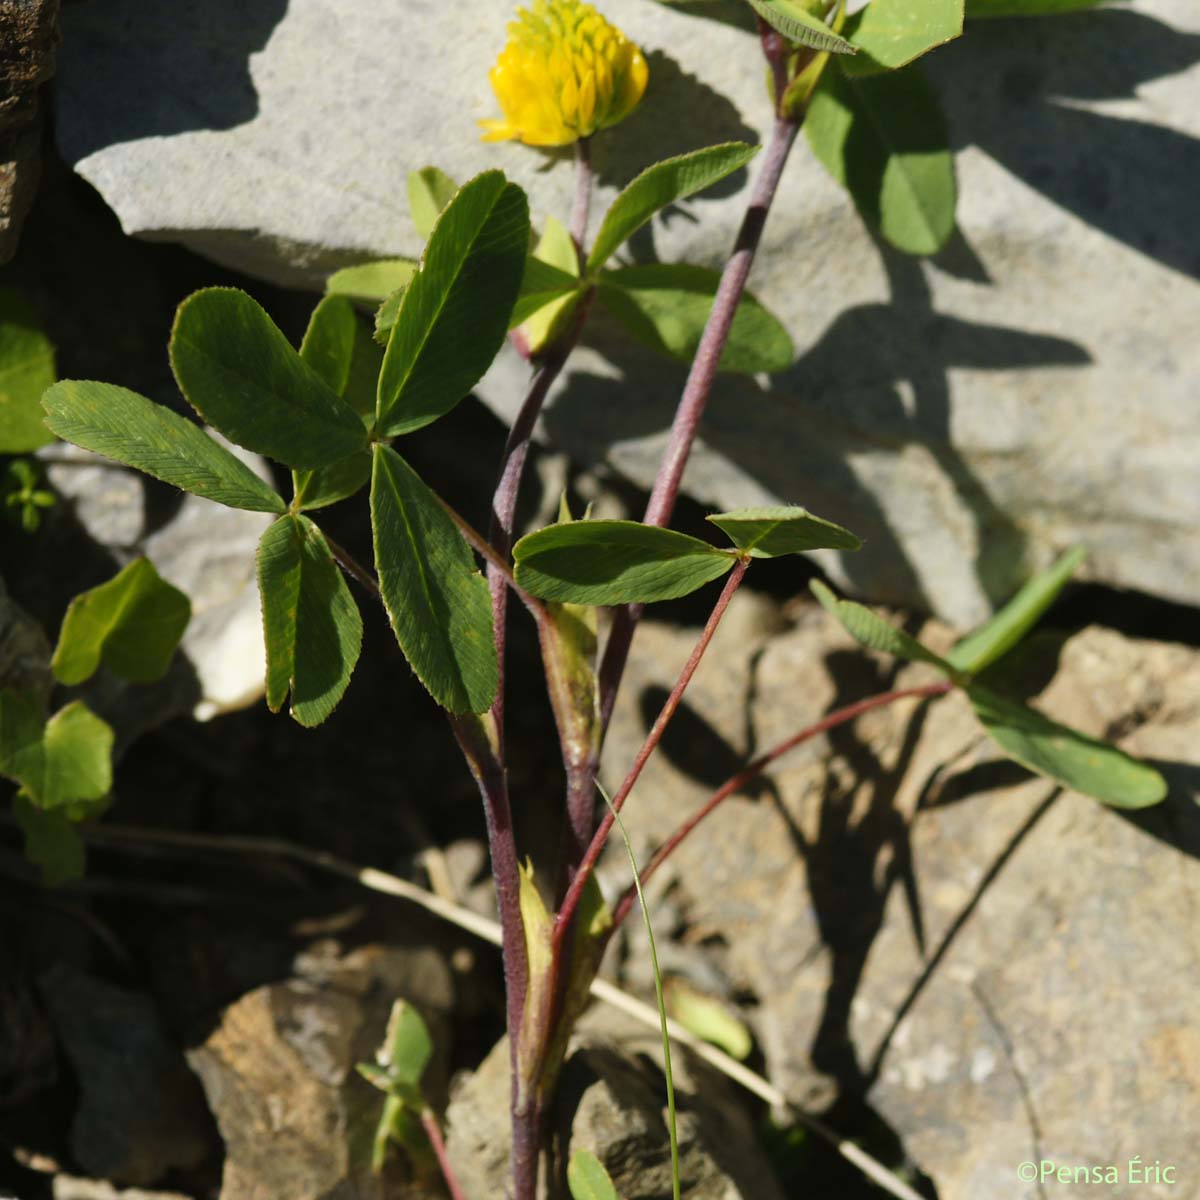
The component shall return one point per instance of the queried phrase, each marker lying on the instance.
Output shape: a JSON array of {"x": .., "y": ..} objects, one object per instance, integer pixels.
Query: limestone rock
[
  {"x": 1001, "y": 971},
  {"x": 969, "y": 417},
  {"x": 279, "y": 1072},
  {"x": 612, "y": 1101}
]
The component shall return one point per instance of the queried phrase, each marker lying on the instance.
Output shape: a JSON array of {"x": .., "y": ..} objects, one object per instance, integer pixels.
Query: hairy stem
[
  {"x": 571, "y": 900},
  {"x": 696, "y": 390},
  {"x": 737, "y": 782}
]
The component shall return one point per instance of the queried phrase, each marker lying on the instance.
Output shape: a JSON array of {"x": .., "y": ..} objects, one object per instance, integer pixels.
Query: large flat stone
[
  {"x": 1030, "y": 389},
  {"x": 997, "y": 970}
]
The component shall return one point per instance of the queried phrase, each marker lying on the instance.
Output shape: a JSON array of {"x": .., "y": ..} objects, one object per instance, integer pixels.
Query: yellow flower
[{"x": 565, "y": 73}]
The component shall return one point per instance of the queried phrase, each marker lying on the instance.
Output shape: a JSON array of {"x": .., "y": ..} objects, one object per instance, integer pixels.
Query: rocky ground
[{"x": 956, "y": 965}]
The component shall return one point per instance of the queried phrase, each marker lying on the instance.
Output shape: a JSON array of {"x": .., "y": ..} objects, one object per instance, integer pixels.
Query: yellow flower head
[{"x": 565, "y": 73}]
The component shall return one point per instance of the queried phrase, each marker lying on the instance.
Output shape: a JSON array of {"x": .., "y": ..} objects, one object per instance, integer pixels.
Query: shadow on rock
[
  {"x": 163, "y": 69},
  {"x": 1011, "y": 88}
]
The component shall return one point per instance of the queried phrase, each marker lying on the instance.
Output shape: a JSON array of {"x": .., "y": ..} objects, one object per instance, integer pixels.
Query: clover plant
[{"x": 335, "y": 412}]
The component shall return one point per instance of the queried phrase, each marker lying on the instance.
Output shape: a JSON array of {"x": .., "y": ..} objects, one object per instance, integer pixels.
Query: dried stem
[
  {"x": 571, "y": 900},
  {"x": 737, "y": 782}
]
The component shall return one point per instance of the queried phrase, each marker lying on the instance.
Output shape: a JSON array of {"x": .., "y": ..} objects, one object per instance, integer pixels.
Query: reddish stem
[
  {"x": 697, "y": 389},
  {"x": 516, "y": 448},
  {"x": 434, "y": 1133},
  {"x": 736, "y": 782},
  {"x": 571, "y": 900}
]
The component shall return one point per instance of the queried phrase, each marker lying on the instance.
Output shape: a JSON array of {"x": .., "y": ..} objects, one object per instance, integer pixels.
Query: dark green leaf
[
  {"x": 139, "y": 433},
  {"x": 454, "y": 315},
  {"x": 666, "y": 306},
  {"x": 437, "y": 599},
  {"x": 132, "y": 624},
  {"x": 241, "y": 374},
  {"x": 784, "y": 529},
  {"x": 1073, "y": 759},
  {"x": 51, "y": 842},
  {"x": 615, "y": 562},
  {"x": 338, "y": 347},
  {"x": 891, "y": 33},
  {"x": 874, "y": 632},
  {"x": 407, "y": 1048},
  {"x": 798, "y": 25},
  {"x": 26, "y": 371},
  {"x": 884, "y": 138},
  {"x": 662, "y": 184},
  {"x": 1026, "y": 8},
  {"x": 429, "y": 191},
  {"x": 60, "y": 761},
  {"x": 340, "y": 350},
  {"x": 312, "y": 626},
  {"x": 981, "y": 648},
  {"x": 587, "y": 1179}
]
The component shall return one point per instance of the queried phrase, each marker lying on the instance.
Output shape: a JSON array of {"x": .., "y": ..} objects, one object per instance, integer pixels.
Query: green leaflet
[
  {"x": 874, "y": 632},
  {"x": 372, "y": 282},
  {"x": 236, "y": 368},
  {"x": 891, "y": 33},
  {"x": 884, "y": 138},
  {"x": 615, "y": 562},
  {"x": 407, "y": 1046},
  {"x": 784, "y": 529},
  {"x": 51, "y": 841},
  {"x": 1073, "y": 759},
  {"x": 666, "y": 306},
  {"x": 436, "y": 598},
  {"x": 707, "y": 1018},
  {"x": 135, "y": 431},
  {"x": 550, "y": 289},
  {"x": 26, "y": 370},
  {"x": 311, "y": 624},
  {"x": 429, "y": 191},
  {"x": 132, "y": 624},
  {"x": 453, "y": 316},
  {"x": 339, "y": 348},
  {"x": 587, "y": 1179},
  {"x": 998, "y": 636},
  {"x": 798, "y": 25},
  {"x": 662, "y": 184},
  {"x": 58, "y": 762}
]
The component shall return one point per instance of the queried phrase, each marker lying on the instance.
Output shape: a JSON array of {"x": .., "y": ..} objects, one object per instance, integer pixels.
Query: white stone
[{"x": 1033, "y": 388}]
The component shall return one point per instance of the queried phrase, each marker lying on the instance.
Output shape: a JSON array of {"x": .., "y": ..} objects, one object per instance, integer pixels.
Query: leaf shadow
[
  {"x": 1013, "y": 89},
  {"x": 679, "y": 113},
  {"x": 876, "y": 381}
]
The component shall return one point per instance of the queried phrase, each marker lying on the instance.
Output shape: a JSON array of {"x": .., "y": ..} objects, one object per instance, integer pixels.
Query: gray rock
[
  {"x": 1002, "y": 972},
  {"x": 141, "y": 1112},
  {"x": 279, "y": 1072},
  {"x": 611, "y": 1100},
  {"x": 969, "y": 418}
]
